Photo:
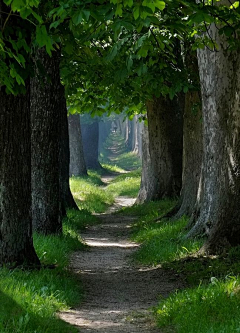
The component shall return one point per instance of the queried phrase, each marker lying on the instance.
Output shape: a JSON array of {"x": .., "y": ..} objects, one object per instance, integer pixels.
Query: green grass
[
  {"x": 211, "y": 308},
  {"x": 89, "y": 195},
  {"x": 115, "y": 156},
  {"x": 211, "y": 301},
  {"x": 127, "y": 184},
  {"x": 29, "y": 300}
]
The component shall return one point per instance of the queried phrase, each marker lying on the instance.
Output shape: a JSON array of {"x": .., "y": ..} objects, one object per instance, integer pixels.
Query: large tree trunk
[
  {"x": 16, "y": 243},
  {"x": 220, "y": 207},
  {"x": 165, "y": 148},
  {"x": 90, "y": 136},
  {"x": 64, "y": 160},
  {"x": 77, "y": 160},
  {"x": 46, "y": 95}
]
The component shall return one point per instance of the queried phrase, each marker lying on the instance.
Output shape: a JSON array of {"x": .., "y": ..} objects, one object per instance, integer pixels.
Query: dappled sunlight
[{"x": 106, "y": 243}]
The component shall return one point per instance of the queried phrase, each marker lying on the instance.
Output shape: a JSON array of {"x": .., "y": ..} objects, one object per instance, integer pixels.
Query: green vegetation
[
  {"x": 30, "y": 299},
  {"x": 210, "y": 303},
  {"x": 89, "y": 195},
  {"x": 126, "y": 184},
  {"x": 114, "y": 156}
]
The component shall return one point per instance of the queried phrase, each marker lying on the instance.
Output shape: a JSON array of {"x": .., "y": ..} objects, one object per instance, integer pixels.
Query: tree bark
[
  {"x": 192, "y": 154},
  {"x": 77, "y": 160},
  {"x": 90, "y": 136},
  {"x": 67, "y": 201},
  {"x": 220, "y": 205},
  {"x": 16, "y": 243},
  {"x": 46, "y": 126},
  {"x": 165, "y": 148},
  {"x": 147, "y": 184}
]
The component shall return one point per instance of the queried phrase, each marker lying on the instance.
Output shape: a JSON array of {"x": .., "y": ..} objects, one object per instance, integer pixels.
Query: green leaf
[
  {"x": 160, "y": 4},
  {"x": 77, "y": 18},
  {"x": 136, "y": 12},
  {"x": 119, "y": 10}
]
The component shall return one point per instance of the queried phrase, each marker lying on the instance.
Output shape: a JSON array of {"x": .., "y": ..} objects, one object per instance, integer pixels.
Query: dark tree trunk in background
[
  {"x": 46, "y": 128},
  {"x": 104, "y": 131},
  {"x": 147, "y": 184},
  {"x": 192, "y": 154},
  {"x": 77, "y": 160},
  {"x": 90, "y": 136},
  {"x": 67, "y": 200},
  {"x": 16, "y": 243},
  {"x": 220, "y": 205},
  {"x": 165, "y": 147},
  {"x": 139, "y": 134}
]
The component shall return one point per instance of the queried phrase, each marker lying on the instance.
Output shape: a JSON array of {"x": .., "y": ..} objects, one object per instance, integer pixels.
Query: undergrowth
[{"x": 211, "y": 301}]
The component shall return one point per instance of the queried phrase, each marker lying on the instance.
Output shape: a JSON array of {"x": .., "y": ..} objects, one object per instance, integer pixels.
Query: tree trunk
[
  {"x": 90, "y": 136},
  {"x": 46, "y": 126},
  {"x": 64, "y": 160},
  {"x": 165, "y": 148},
  {"x": 220, "y": 206},
  {"x": 192, "y": 154},
  {"x": 147, "y": 183},
  {"x": 16, "y": 243},
  {"x": 77, "y": 160}
]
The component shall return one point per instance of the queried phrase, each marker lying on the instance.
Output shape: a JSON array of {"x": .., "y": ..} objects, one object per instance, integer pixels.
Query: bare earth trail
[{"x": 118, "y": 293}]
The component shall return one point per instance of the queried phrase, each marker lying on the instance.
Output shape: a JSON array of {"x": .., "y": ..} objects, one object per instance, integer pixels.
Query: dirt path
[{"x": 118, "y": 293}]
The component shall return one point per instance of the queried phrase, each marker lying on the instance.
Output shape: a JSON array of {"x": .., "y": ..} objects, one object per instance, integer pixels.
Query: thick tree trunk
[
  {"x": 46, "y": 126},
  {"x": 77, "y": 160},
  {"x": 165, "y": 148},
  {"x": 90, "y": 136},
  {"x": 220, "y": 205},
  {"x": 64, "y": 160},
  {"x": 16, "y": 243}
]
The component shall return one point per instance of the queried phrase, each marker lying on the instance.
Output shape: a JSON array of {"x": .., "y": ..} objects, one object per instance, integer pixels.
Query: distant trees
[{"x": 77, "y": 159}]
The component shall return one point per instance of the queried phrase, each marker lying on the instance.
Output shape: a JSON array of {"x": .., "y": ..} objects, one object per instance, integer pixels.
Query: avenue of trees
[{"x": 175, "y": 64}]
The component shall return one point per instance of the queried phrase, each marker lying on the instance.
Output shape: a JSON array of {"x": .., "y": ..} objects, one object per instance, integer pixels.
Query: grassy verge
[
  {"x": 211, "y": 302},
  {"x": 89, "y": 194},
  {"x": 30, "y": 299},
  {"x": 125, "y": 185}
]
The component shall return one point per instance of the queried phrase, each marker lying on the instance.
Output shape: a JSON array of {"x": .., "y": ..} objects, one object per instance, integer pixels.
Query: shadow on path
[{"x": 118, "y": 293}]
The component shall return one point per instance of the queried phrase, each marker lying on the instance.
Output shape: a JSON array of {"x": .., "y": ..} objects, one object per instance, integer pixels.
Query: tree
[
  {"x": 77, "y": 160},
  {"x": 164, "y": 141},
  {"x": 67, "y": 201},
  {"x": 90, "y": 137},
  {"x": 46, "y": 129},
  {"x": 16, "y": 242},
  {"x": 220, "y": 81}
]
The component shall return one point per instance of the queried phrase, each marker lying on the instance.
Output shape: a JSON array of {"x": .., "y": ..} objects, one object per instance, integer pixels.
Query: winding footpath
[{"x": 118, "y": 293}]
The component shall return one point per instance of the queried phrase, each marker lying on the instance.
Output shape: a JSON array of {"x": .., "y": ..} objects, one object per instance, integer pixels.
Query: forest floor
[{"x": 118, "y": 292}]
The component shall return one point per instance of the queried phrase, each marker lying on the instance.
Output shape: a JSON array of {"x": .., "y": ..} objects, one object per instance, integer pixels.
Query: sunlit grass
[
  {"x": 116, "y": 157},
  {"x": 29, "y": 300},
  {"x": 211, "y": 308},
  {"x": 163, "y": 241},
  {"x": 89, "y": 195},
  {"x": 211, "y": 302},
  {"x": 127, "y": 184}
]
